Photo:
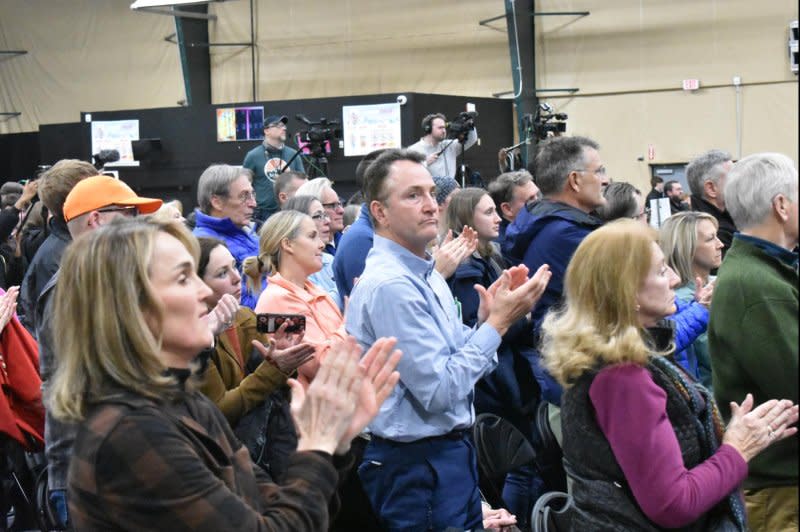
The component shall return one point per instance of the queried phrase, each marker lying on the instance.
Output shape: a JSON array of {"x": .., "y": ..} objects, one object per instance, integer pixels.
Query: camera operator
[
  {"x": 266, "y": 161},
  {"x": 439, "y": 151}
]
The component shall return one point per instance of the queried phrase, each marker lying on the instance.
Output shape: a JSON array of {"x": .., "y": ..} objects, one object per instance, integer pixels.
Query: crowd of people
[{"x": 284, "y": 359}]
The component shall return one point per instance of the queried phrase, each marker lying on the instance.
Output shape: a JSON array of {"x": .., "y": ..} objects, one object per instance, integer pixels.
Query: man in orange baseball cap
[{"x": 98, "y": 199}]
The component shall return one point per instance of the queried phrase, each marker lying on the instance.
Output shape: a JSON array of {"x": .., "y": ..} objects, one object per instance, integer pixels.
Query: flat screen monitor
[
  {"x": 240, "y": 123},
  {"x": 146, "y": 150}
]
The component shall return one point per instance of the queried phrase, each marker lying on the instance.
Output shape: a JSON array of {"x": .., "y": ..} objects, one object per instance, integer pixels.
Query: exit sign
[{"x": 691, "y": 84}]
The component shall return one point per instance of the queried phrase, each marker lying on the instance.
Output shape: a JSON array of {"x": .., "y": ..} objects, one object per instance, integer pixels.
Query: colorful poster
[
  {"x": 240, "y": 123},
  {"x": 115, "y": 135},
  {"x": 370, "y": 127}
]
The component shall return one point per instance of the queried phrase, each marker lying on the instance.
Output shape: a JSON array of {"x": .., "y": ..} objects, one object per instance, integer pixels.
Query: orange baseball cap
[{"x": 101, "y": 191}]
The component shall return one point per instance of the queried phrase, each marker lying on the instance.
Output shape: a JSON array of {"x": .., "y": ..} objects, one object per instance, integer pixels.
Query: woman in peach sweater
[{"x": 290, "y": 250}]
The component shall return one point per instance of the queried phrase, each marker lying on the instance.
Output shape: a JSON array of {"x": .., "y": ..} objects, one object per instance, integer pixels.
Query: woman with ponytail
[{"x": 290, "y": 250}]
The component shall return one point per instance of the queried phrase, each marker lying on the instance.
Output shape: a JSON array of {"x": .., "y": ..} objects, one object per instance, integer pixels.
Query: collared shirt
[
  {"x": 401, "y": 295},
  {"x": 324, "y": 279},
  {"x": 770, "y": 248},
  {"x": 445, "y": 165},
  {"x": 324, "y": 322}
]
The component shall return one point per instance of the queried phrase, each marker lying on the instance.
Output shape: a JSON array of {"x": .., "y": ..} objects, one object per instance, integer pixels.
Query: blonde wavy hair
[
  {"x": 278, "y": 227},
  {"x": 598, "y": 324},
  {"x": 103, "y": 304}
]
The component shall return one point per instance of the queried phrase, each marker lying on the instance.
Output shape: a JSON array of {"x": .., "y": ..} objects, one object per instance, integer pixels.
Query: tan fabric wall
[
  {"x": 628, "y": 59},
  {"x": 83, "y": 55},
  {"x": 309, "y": 48}
]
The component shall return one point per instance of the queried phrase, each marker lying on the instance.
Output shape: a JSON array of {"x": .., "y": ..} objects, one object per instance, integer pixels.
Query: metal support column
[{"x": 520, "y": 28}]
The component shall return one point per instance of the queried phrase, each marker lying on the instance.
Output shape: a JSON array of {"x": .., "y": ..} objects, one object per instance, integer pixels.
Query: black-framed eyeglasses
[
  {"x": 320, "y": 216},
  {"x": 333, "y": 205},
  {"x": 129, "y": 211}
]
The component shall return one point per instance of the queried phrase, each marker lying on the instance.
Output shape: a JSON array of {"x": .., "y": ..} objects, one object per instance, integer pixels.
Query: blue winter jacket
[
  {"x": 241, "y": 243},
  {"x": 691, "y": 320},
  {"x": 548, "y": 233}
]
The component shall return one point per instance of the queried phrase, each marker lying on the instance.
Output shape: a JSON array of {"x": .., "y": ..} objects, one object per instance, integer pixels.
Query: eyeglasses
[
  {"x": 129, "y": 211},
  {"x": 279, "y": 124},
  {"x": 320, "y": 216},
  {"x": 246, "y": 195},
  {"x": 333, "y": 205},
  {"x": 600, "y": 171}
]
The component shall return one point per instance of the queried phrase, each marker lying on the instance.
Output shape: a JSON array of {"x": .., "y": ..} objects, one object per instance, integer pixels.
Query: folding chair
[
  {"x": 552, "y": 512},
  {"x": 501, "y": 448}
]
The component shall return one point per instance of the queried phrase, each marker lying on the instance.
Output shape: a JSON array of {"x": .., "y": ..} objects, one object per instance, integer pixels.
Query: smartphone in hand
[{"x": 269, "y": 323}]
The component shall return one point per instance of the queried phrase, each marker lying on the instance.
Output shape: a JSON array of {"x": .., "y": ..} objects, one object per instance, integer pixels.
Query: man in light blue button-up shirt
[{"x": 420, "y": 469}]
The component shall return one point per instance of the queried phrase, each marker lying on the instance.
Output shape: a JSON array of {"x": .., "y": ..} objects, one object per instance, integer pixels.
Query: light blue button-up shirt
[{"x": 401, "y": 295}]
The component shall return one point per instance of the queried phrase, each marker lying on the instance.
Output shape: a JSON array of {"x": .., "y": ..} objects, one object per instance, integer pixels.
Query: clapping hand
[
  {"x": 380, "y": 379},
  {"x": 8, "y": 306},
  {"x": 223, "y": 314},
  {"x": 287, "y": 360},
  {"x": 751, "y": 430},
  {"x": 356, "y": 390},
  {"x": 454, "y": 251},
  {"x": 512, "y": 296},
  {"x": 323, "y": 413},
  {"x": 283, "y": 340},
  {"x": 703, "y": 294}
]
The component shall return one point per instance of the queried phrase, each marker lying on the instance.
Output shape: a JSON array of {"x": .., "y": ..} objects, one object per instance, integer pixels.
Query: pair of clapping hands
[
  {"x": 284, "y": 351},
  {"x": 346, "y": 393}
]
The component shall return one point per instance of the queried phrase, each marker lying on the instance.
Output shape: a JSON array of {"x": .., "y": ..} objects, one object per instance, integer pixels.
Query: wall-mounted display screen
[{"x": 240, "y": 123}]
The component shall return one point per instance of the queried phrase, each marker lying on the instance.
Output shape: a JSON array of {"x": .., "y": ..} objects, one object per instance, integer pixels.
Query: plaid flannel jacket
[{"x": 142, "y": 465}]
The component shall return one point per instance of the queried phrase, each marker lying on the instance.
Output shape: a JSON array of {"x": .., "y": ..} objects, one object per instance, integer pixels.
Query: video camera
[
  {"x": 318, "y": 133},
  {"x": 461, "y": 125},
  {"x": 542, "y": 125}
]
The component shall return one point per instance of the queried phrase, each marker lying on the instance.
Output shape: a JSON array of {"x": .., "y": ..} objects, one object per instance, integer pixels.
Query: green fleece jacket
[{"x": 752, "y": 337}]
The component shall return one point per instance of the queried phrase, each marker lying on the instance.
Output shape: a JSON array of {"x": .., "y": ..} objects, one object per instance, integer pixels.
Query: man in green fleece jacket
[{"x": 753, "y": 328}]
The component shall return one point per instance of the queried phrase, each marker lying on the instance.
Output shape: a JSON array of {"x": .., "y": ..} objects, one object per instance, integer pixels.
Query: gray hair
[
  {"x": 216, "y": 181},
  {"x": 706, "y": 167},
  {"x": 556, "y": 158},
  {"x": 621, "y": 202},
  {"x": 502, "y": 188},
  {"x": 314, "y": 187},
  {"x": 754, "y": 182},
  {"x": 300, "y": 203}
]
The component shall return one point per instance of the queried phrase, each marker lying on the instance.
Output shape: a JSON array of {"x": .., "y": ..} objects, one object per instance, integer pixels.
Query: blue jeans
[
  {"x": 431, "y": 484},
  {"x": 522, "y": 488},
  {"x": 58, "y": 501}
]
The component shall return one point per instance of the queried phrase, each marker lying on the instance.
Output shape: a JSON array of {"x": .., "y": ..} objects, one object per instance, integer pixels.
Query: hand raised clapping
[
  {"x": 8, "y": 306},
  {"x": 751, "y": 430},
  {"x": 221, "y": 316},
  {"x": 454, "y": 251},
  {"x": 344, "y": 396}
]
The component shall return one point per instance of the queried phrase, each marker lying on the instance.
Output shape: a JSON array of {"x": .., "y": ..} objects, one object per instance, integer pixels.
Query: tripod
[{"x": 317, "y": 160}]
